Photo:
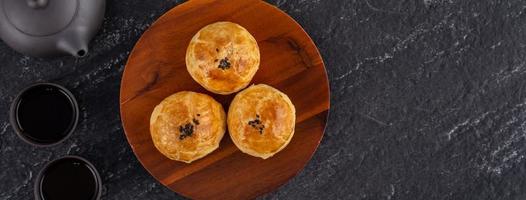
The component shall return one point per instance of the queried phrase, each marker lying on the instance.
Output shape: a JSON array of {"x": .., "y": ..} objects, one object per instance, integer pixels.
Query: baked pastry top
[
  {"x": 223, "y": 57},
  {"x": 187, "y": 126},
  {"x": 261, "y": 120}
]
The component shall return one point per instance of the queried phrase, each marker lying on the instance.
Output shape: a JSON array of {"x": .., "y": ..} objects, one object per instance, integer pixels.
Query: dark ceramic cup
[
  {"x": 44, "y": 114},
  {"x": 69, "y": 177}
]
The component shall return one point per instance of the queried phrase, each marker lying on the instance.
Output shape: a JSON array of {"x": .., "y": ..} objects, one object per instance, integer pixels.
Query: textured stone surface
[{"x": 427, "y": 102}]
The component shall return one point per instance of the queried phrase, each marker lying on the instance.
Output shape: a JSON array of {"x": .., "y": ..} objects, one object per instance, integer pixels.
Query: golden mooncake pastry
[
  {"x": 222, "y": 57},
  {"x": 261, "y": 120},
  {"x": 187, "y": 126}
]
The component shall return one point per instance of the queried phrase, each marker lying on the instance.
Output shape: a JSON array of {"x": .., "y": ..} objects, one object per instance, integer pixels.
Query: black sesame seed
[
  {"x": 224, "y": 64},
  {"x": 186, "y": 131},
  {"x": 257, "y": 124}
]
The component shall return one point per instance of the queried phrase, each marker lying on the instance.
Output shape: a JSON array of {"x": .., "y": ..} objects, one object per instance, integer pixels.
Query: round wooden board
[{"x": 290, "y": 62}]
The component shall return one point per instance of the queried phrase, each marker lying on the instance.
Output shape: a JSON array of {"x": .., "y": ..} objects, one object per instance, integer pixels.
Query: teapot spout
[{"x": 74, "y": 47}]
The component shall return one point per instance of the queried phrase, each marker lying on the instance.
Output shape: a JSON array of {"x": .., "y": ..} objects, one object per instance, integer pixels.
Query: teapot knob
[{"x": 37, "y": 4}]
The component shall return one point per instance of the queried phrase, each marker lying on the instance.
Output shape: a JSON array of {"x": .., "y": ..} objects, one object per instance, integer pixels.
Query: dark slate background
[{"x": 427, "y": 102}]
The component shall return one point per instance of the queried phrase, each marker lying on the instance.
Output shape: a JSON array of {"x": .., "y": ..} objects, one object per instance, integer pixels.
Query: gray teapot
[{"x": 46, "y": 28}]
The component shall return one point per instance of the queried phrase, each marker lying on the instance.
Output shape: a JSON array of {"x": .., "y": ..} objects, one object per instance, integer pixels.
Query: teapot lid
[{"x": 40, "y": 17}]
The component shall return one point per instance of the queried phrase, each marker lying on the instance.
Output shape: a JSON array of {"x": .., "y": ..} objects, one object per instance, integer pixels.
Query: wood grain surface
[{"x": 290, "y": 62}]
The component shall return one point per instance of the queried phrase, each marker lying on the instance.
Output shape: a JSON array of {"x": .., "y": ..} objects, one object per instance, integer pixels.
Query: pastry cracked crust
[
  {"x": 261, "y": 120},
  {"x": 173, "y": 118},
  {"x": 223, "y": 57}
]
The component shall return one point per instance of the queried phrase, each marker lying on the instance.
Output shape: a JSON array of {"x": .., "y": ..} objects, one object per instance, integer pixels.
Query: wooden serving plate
[{"x": 290, "y": 62}]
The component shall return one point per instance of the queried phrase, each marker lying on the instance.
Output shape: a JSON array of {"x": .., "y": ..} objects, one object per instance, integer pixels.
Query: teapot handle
[{"x": 37, "y": 4}]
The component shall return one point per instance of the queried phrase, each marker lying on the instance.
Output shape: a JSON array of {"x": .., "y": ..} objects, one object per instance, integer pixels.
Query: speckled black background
[{"x": 427, "y": 102}]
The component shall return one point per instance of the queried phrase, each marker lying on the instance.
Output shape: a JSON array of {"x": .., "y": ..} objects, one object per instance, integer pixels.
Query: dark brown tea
[
  {"x": 68, "y": 179},
  {"x": 45, "y": 114}
]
